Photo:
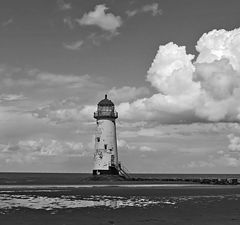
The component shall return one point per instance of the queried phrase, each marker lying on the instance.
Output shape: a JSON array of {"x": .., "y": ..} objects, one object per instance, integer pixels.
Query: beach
[{"x": 120, "y": 204}]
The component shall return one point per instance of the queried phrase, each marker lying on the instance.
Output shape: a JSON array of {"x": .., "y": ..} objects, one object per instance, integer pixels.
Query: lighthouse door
[{"x": 112, "y": 160}]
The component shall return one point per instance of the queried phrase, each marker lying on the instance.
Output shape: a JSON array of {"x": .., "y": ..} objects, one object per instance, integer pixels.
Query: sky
[{"x": 172, "y": 68}]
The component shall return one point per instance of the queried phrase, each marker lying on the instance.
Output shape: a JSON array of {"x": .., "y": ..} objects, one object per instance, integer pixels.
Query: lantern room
[{"x": 105, "y": 110}]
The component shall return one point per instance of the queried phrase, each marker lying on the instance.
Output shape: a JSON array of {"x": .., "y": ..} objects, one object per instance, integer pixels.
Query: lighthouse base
[{"x": 111, "y": 171}]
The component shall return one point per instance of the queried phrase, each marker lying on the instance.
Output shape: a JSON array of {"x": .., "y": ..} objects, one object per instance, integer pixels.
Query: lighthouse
[{"x": 106, "y": 154}]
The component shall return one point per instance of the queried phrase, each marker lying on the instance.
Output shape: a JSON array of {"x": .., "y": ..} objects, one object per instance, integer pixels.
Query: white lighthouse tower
[{"x": 106, "y": 155}]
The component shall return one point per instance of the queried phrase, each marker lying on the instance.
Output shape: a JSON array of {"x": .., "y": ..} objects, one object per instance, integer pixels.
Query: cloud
[
  {"x": 200, "y": 164},
  {"x": 34, "y": 83},
  {"x": 108, "y": 22},
  {"x": 127, "y": 93},
  {"x": 171, "y": 74},
  {"x": 146, "y": 149},
  {"x": 11, "y": 77},
  {"x": 224, "y": 161},
  {"x": 132, "y": 13},
  {"x": 151, "y": 8},
  {"x": 97, "y": 39},
  {"x": 123, "y": 145},
  {"x": 227, "y": 160},
  {"x": 220, "y": 44},
  {"x": 31, "y": 150},
  {"x": 99, "y": 17},
  {"x": 62, "y": 5},
  {"x": 47, "y": 95},
  {"x": 68, "y": 110},
  {"x": 60, "y": 78},
  {"x": 68, "y": 22},
  {"x": 229, "y": 157},
  {"x": 75, "y": 46},
  {"x": 178, "y": 130},
  {"x": 171, "y": 71},
  {"x": 7, "y": 22},
  {"x": 218, "y": 78},
  {"x": 125, "y": 124},
  {"x": 207, "y": 89},
  {"x": 11, "y": 97},
  {"x": 234, "y": 145}
]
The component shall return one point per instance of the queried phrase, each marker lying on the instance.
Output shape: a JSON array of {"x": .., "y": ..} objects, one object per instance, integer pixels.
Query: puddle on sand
[
  {"x": 14, "y": 201},
  {"x": 8, "y": 201}
]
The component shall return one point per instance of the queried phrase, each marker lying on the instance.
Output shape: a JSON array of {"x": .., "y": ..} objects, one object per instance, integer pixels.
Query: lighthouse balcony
[{"x": 105, "y": 115}]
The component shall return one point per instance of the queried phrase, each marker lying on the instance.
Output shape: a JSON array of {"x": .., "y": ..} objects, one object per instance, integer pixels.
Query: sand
[{"x": 205, "y": 205}]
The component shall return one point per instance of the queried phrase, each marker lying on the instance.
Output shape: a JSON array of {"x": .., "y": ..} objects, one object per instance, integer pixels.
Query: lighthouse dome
[{"x": 105, "y": 102}]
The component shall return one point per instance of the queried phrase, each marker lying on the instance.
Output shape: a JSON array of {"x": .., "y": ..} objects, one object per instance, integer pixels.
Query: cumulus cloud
[
  {"x": 220, "y": 44},
  {"x": 207, "y": 89},
  {"x": 149, "y": 8},
  {"x": 75, "y": 46},
  {"x": 204, "y": 90},
  {"x": 218, "y": 79},
  {"x": 171, "y": 71},
  {"x": 99, "y": 17}
]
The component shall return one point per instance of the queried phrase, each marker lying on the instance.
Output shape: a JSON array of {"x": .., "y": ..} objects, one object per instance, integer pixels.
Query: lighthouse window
[
  {"x": 105, "y": 146},
  {"x": 98, "y": 139}
]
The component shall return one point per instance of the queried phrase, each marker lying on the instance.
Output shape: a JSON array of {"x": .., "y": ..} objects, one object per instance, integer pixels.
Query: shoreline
[
  {"x": 111, "y": 180},
  {"x": 27, "y": 186},
  {"x": 114, "y": 188},
  {"x": 54, "y": 179}
]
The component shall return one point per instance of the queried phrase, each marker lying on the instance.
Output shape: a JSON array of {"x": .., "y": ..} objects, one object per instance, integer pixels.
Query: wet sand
[{"x": 195, "y": 205}]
